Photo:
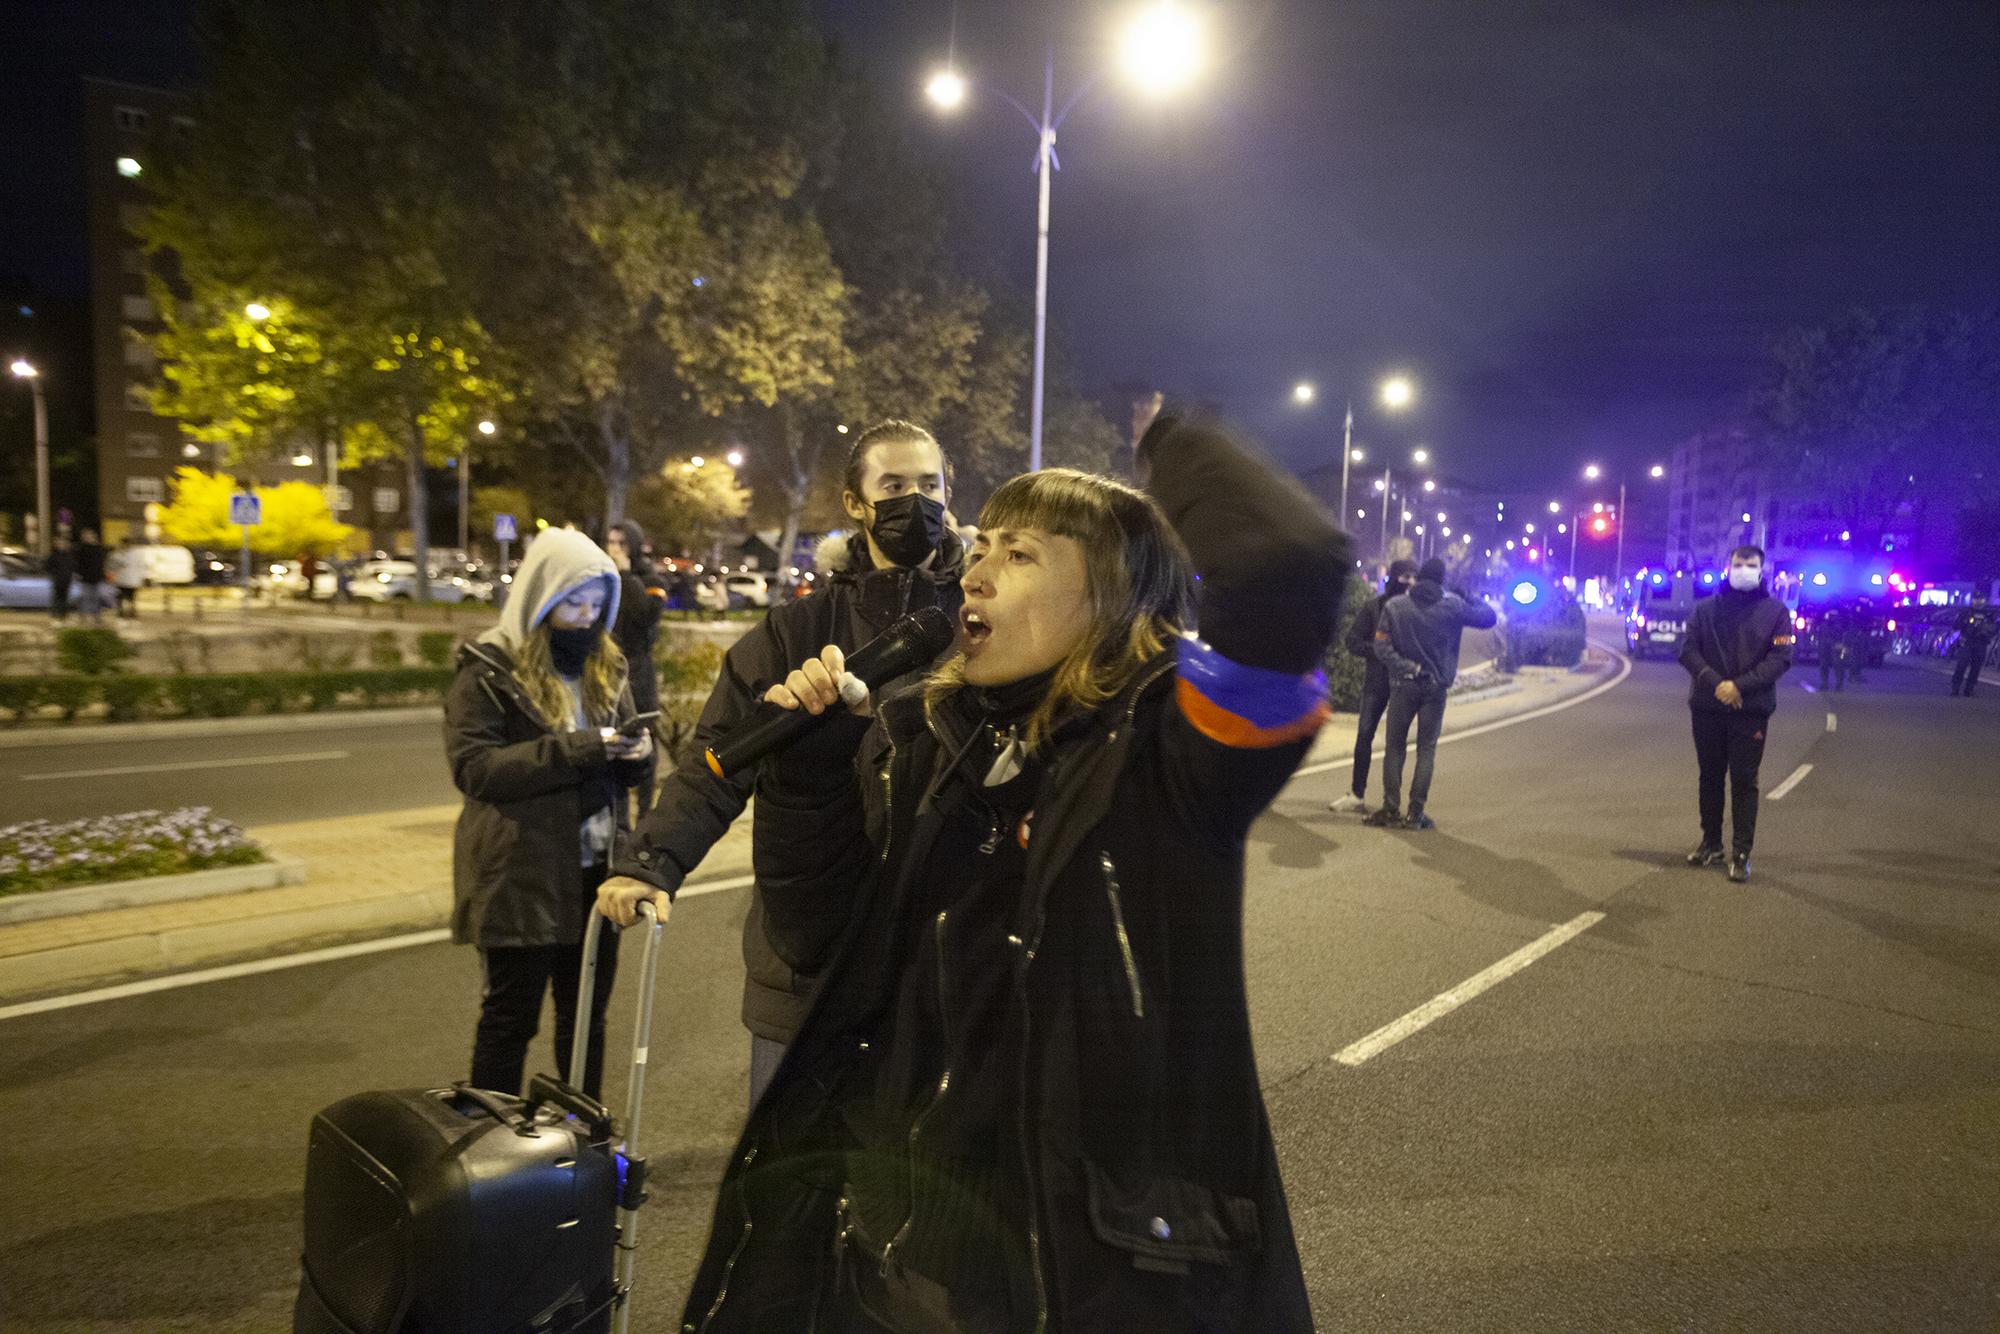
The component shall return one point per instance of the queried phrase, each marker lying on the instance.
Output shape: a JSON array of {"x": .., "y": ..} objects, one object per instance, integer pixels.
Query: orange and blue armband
[{"x": 1245, "y": 707}]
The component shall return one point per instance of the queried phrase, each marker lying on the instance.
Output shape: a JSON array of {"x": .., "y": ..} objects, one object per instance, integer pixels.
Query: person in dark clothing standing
[
  {"x": 641, "y": 601},
  {"x": 1736, "y": 646},
  {"x": 61, "y": 569},
  {"x": 904, "y": 557},
  {"x": 1417, "y": 643},
  {"x": 1360, "y": 642},
  {"x": 89, "y": 576},
  {"x": 1976, "y": 630},
  {"x": 1831, "y": 639},
  {"x": 1026, "y": 1096},
  {"x": 532, "y": 733}
]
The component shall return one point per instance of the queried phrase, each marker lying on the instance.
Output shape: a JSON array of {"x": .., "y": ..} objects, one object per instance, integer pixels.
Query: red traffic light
[{"x": 1600, "y": 525}]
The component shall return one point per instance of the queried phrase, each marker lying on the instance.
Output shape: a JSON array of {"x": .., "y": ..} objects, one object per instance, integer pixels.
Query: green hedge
[
  {"x": 220, "y": 694},
  {"x": 1552, "y": 639},
  {"x": 1344, "y": 671}
]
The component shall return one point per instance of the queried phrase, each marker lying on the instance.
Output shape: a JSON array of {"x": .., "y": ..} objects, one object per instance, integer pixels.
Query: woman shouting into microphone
[{"x": 1025, "y": 1097}]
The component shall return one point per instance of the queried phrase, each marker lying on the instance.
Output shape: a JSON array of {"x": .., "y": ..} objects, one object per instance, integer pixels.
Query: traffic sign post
[
  {"x": 246, "y": 511},
  {"x": 504, "y": 534}
]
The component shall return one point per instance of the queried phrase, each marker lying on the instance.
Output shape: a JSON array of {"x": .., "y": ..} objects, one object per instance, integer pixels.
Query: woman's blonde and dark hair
[{"x": 1136, "y": 574}]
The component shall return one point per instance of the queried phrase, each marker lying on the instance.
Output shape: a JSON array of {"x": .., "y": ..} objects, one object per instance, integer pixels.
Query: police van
[{"x": 1664, "y": 600}]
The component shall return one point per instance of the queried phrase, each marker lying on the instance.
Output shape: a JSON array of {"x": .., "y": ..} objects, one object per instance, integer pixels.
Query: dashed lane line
[
  {"x": 1442, "y": 1004},
  {"x": 1798, "y": 776}
]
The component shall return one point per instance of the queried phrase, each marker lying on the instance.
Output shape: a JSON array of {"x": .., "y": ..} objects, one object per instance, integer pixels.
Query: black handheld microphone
[{"x": 913, "y": 642}]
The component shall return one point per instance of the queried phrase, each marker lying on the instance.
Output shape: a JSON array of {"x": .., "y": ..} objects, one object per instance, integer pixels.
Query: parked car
[
  {"x": 396, "y": 581},
  {"x": 25, "y": 583},
  {"x": 734, "y": 592}
]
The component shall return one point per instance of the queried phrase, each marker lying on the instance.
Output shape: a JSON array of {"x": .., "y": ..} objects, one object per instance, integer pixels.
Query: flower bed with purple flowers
[{"x": 42, "y": 855}]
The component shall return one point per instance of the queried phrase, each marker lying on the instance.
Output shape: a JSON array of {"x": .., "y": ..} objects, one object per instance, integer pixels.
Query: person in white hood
[{"x": 533, "y": 733}]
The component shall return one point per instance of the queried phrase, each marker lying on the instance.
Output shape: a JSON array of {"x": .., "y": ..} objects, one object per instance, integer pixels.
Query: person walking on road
[
  {"x": 1360, "y": 642},
  {"x": 903, "y": 558},
  {"x": 1736, "y": 646},
  {"x": 536, "y": 731},
  {"x": 1977, "y": 627},
  {"x": 61, "y": 570},
  {"x": 1417, "y": 643}
]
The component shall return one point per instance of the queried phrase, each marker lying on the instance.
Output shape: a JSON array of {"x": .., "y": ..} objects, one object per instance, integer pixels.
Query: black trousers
[
  {"x": 1729, "y": 745},
  {"x": 1373, "y": 702},
  {"x": 1425, "y": 704},
  {"x": 1965, "y": 673},
  {"x": 510, "y": 1009}
]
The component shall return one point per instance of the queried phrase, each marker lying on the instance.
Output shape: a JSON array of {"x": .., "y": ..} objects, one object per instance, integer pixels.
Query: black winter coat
[
  {"x": 641, "y": 602},
  {"x": 1740, "y": 637},
  {"x": 1360, "y": 642},
  {"x": 801, "y": 903},
  {"x": 1136, "y": 1149},
  {"x": 517, "y": 876}
]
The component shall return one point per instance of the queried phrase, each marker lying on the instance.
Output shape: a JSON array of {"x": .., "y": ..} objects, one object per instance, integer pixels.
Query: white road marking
[
  {"x": 251, "y": 967},
  {"x": 1445, "y": 1002},
  {"x": 1798, "y": 776},
  {"x": 1624, "y": 670},
  {"x": 247, "y": 761},
  {"x": 1832, "y": 723}
]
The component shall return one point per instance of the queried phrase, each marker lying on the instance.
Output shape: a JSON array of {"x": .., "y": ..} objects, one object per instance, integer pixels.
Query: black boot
[
  {"x": 1388, "y": 817},
  {"x": 1708, "y": 854},
  {"x": 1739, "y": 867}
]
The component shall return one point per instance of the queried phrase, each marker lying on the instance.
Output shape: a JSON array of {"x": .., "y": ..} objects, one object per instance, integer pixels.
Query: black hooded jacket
[
  {"x": 794, "y": 919},
  {"x": 1136, "y": 1171},
  {"x": 1740, "y": 637}
]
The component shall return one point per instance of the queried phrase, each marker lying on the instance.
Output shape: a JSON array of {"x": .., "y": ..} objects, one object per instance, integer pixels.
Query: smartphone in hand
[{"x": 638, "y": 723}]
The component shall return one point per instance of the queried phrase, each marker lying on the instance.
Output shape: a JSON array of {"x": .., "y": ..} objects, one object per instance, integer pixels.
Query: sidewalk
[
  {"x": 367, "y": 875},
  {"x": 384, "y": 874}
]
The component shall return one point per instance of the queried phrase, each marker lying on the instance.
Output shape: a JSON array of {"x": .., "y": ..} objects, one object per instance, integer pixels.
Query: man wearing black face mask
[{"x": 904, "y": 556}]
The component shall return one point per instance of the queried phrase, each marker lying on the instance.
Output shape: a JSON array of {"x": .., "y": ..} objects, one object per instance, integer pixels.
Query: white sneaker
[{"x": 1347, "y": 802}]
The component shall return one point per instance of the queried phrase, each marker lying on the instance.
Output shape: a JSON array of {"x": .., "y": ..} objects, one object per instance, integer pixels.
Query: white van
[{"x": 161, "y": 564}]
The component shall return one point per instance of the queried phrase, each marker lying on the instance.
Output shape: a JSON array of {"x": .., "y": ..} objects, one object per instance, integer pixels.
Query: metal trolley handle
[{"x": 635, "y": 1094}]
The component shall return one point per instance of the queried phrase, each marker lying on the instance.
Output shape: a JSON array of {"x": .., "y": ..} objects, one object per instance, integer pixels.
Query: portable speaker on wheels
[{"x": 458, "y": 1210}]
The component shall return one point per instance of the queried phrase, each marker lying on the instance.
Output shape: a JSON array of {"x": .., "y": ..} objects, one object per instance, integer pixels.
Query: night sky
[{"x": 1575, "y": 224}]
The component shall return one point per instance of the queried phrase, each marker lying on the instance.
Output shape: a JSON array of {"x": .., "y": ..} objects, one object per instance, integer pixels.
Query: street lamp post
[
  {"x": 25, "y": 370},
  {"x": 1160, "y": 47}
]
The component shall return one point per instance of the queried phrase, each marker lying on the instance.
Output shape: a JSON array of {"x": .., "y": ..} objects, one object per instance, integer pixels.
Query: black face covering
[
  {"x": 570, "y": 649},
  {"x": 908, "y": 528}
]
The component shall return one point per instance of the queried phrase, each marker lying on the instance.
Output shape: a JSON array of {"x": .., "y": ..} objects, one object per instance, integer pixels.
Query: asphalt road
[
  {"x": 1772, "y": 1107},
  {"x": 251, "y": 779}
]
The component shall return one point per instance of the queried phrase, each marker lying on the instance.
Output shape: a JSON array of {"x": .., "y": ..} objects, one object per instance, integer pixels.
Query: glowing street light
[
  {"x": 487, "y": 428},
  {"x": 946, "y": 89},
  {"x": 1397, "y": 391},
  {"x": 696, "y": 461},
  {"x": 1593, "y": 472},
  {"x": 735, "y": 458},
  {"x": 1355, "y": 455},
  {"x": 1555, "y": 507},
  {"x": 1161, "y": 50},
  {"x": 1303, "y": 392},
  {"x": 1429, "y": 486},
  {"x": 1420, "y": 456},
  {"x": 842, "y": 428},
  {"x": 1657, "y": 471},
  {"x": 257, "y": 311}
]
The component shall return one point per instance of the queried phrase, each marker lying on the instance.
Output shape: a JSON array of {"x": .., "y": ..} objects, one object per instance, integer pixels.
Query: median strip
[{"x": 242, "y": 762}]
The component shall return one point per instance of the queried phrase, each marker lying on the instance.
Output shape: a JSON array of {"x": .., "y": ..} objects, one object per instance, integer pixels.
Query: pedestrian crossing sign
[
  {"x": 503, "y": 528},
  {"x": 245, "y": 510}
]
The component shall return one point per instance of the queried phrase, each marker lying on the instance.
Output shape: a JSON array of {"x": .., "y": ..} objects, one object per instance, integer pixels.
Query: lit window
[
  {"x": 144, "y": 490},
  {"x": 137, "y": 307},
  {"x": 139, "y": 353},
  {"x": 142, "y": 445},
  {"x": 387, "y": 500},
  {"x": 139, "y": 396},
  {"x": 131, "y": 119}
]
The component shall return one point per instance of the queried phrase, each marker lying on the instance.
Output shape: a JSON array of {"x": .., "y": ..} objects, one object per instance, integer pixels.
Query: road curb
[
  {"x": 264, "y": 724},
  {"x": 152, "y": 889}
]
